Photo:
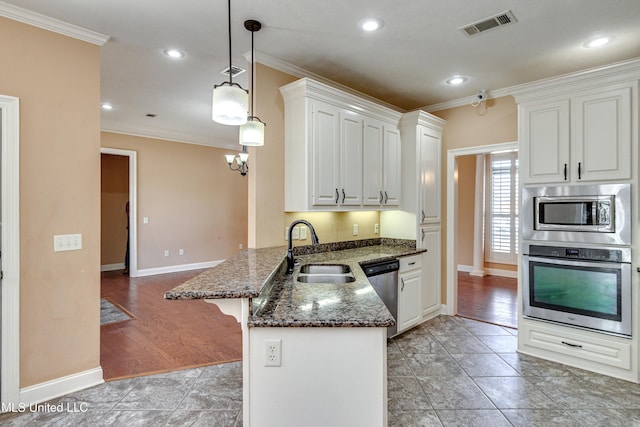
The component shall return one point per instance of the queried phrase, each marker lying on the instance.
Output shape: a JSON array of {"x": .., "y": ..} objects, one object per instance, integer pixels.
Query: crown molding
[
  {"x": 51, "y": 24},
  {"x": 299, "y": 72},
  {"x": 617, "y": 70}
]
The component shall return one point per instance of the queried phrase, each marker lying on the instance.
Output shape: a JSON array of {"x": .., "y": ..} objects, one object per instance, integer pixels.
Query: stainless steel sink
[
  {"x": 325, "y": 269},
  {"x": 326, "y": 273},
  {"x": 335, "y": 279}
]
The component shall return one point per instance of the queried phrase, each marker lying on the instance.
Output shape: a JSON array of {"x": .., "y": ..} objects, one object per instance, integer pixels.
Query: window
[{"x": 501, "y": 240}]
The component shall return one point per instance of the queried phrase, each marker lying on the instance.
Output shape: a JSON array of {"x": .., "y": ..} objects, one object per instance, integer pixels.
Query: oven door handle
[{"x": 577, "y": 263}]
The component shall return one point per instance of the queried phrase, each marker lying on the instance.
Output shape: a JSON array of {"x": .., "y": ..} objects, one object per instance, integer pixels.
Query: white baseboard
[
  {"x": 176, "y": 268},
  {"x": 112, "y": 267},
  {"x": 490, "y": 271},
  {"x": 60, "y": 386}
]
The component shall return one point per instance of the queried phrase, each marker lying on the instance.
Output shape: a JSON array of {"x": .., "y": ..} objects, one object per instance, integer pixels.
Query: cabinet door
[
  {"x": 544, "y": 140},
  {"x": 372, "y": 163},
  {"x": 430, "y": 239},
  {"x": 430, "y": 189},
  {"x": 602, "y": 135},
  {"x": 325, "y": 131},
  {"x": 350, "y": 160},
  {"x": 409, "y": 307},
  {"x": 391, "y": 162}
]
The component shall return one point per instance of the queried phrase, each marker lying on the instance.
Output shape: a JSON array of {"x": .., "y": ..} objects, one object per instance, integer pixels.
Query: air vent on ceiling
[
  {"x": 234, "y": 71},
  {"x": 490, "y": 23}
]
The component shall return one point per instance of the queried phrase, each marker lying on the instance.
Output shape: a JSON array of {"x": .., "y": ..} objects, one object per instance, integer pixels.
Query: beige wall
[
  {"x": 494, "y": 122},
  {"x": 114, "y": 185},
  {"x": 466, "y": 207},
  {"x": 266, "y": 176},
  {"x": 192, "y": 199},
  {"x": 57, "y": 80}
]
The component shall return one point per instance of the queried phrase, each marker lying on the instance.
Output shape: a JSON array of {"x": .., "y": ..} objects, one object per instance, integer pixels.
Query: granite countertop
[{"x": 278, "y": 300}]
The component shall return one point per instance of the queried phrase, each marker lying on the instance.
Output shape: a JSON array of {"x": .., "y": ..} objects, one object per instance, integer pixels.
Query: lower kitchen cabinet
[
  {"x": 430, "y": 238},
  {"x": 409, "y": 292}
]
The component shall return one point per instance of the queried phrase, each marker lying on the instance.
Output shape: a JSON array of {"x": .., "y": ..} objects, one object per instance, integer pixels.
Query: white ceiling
[{"x": 405, "y": 63}]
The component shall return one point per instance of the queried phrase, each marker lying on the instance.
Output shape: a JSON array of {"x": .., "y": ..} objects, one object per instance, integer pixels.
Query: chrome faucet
[{"x": 314, "y": 240}]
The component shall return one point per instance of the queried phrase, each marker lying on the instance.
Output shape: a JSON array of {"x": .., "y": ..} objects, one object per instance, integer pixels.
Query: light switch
[{"x": 67, "y": 242}]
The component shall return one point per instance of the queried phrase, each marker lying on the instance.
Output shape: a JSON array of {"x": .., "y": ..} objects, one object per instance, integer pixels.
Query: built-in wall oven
[
  {"x": 576, "y": 256},
  {"x": 583, "y": 287}
]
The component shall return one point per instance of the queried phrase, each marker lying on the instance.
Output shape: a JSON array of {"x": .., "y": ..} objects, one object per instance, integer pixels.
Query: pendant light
[
  {"x": 252, "y": 132},
  {"x": 241, "y": 161},
  {"x": 230, "y": 100}
]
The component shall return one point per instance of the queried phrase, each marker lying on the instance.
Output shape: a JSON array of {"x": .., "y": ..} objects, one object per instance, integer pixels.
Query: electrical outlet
[
  {"x": 376, "y": 228},
  {"x": 145, "y": 220},
  {"x": 272, "y": 352},
  {"x": 355, "y": 229},
  {"x": 181, "y": 252},
  {"x": 166, "y": 252},
  {"x": 303, "y": 233}
]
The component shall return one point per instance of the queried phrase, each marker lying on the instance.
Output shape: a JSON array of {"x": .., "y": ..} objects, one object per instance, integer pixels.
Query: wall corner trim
[
  {"x": 51, "y": 24},
  {"x": 48, "y": 390}
]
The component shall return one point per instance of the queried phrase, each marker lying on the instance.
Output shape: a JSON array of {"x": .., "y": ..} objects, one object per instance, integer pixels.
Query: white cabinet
[
  {"x": 583, "y": 136},
  {"x": 430, "y": 201},
  {"x": 409, "y": 291},
  {"x": 342, "y": 152},
  {"x": 430, "y": 239},
  {"x": 381, "y": 164}
]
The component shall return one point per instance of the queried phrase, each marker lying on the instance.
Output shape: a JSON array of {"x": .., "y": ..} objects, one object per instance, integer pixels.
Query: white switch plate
[
  {"x": 145, "y": 220},
  {"x": 67, "y": 242},
  {"x": 355, "y": 229},
  {"x": 166, "y": 252},
  {"x": 303, "y": 233},
  {"x": 296, "y": 233},
  {"x": 376, "y": 228}
]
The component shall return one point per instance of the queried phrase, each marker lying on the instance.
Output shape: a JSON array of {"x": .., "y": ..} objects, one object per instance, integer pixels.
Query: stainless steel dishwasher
[{"x": 383, "y": 276}]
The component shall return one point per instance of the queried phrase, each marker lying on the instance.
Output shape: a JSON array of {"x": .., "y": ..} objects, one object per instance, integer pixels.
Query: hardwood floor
[
  {"x": 165, "y": 335},
  {"x": 491, "y": 299}
]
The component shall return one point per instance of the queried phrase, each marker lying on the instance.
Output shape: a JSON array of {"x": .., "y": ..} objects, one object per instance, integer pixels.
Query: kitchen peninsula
[{"x": 313, "y": 353}]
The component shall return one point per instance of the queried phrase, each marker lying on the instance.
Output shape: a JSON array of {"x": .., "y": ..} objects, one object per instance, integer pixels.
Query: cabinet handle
[
  {"x": 565, "y": 171},
  {"x": 337, "y": 196},
  {"x": 579, "y": 170},
  {"x": 385, "y": 197},
  {"x": 402, "y": 288},
  {"x": 423, "y": 233},
  {"x": 571, "y": 345},
  {"x": 412, "y": 263},
  {"x": 380, "y": 196},
  {"x": 423, "y": 216},
  {"x": 343, "y": 196}
]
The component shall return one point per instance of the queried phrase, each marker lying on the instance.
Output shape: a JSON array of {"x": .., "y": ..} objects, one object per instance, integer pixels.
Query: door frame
[
  {"x": 133, "y": 204},
  {"x": 10, "y": 285},
  {"x": 452, "y": 213}
]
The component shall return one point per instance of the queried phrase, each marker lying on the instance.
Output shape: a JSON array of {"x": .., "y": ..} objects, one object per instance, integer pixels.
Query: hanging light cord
[
  {"x": 253, "y": 70},
  {"x": 230, "y": 70}
]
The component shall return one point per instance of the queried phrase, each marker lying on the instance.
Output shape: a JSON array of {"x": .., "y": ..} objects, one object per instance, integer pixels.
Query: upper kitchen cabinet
[
  {"x": 381, "y": 182},
  {"x": 581, "y": 132},
  {"x": 342, "y": 152},
  {"x": 421, "y": 165}
]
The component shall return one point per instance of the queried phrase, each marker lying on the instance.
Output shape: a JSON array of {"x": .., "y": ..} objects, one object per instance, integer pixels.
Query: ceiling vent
[
  {"x": 234, "y": 71},
  {"x": 490, "y": 23}
]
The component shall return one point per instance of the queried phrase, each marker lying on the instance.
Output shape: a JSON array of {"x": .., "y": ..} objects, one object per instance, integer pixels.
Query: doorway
[
  {"x": 456, "y": 158},
  {"x": 117, "y": 202},
  {"x": 10, "y": 253}
]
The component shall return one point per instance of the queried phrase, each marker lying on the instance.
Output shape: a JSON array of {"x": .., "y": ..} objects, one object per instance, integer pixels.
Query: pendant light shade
[
  {"x": 252, "y": 132},
  {"x": 230, "y": 104}
]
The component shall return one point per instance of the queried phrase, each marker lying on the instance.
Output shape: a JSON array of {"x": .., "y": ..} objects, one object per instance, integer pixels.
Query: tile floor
[{"x": 449, "y": 371}]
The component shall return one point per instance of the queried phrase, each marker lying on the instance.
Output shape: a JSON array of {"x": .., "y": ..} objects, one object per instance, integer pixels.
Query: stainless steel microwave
[{"x": 584, "y": 213}]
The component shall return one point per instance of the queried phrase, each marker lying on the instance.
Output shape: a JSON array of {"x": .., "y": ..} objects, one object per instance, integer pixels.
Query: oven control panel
[{"x": 590, "y": 254}]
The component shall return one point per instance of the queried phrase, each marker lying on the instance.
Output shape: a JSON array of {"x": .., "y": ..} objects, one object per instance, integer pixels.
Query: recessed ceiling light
[
  {"x": 173, "y": 53},
  {"x": 456, "y": 80},
  {"x": 106, "y": 106},
  {"x": 371, "y": 24},
  {"x": 598, "y": 41}
]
